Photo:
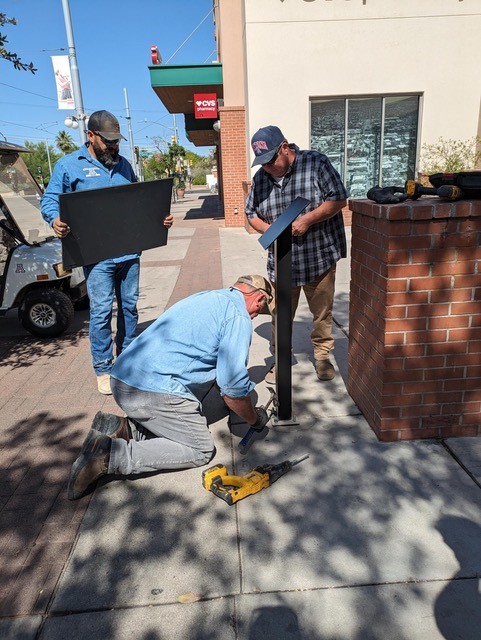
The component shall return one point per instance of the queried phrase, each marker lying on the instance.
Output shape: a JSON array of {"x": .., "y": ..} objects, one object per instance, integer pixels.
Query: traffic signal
[
  {"x": 136, "y": 152},
  {"x": 173, "y": 139},
  {"x": 39, "y": 171}
]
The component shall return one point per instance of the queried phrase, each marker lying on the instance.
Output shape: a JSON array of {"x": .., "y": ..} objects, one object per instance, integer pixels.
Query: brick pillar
[
  {"x": 415, "y": 318},
  {"x": 234, "y": 163}
]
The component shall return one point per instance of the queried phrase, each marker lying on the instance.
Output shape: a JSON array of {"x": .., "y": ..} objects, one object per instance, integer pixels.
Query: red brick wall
[
  {"x": 415, "y": 318},
  {"x": 234, "y": 163}
]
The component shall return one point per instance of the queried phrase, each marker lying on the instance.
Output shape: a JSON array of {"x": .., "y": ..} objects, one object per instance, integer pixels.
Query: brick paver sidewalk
[{"x": 48, "y": 398}]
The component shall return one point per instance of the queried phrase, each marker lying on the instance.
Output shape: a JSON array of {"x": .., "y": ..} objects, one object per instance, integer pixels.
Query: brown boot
[
  {"x": 324, "y": 369},
  {"x": 112, "y": 426},
  {"x": 92, "y": 463}
]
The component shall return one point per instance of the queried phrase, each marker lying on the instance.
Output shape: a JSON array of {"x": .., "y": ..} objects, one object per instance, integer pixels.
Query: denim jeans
[
  {"x": 104, "y": 280},
  {"x": 168, "y": 432}
]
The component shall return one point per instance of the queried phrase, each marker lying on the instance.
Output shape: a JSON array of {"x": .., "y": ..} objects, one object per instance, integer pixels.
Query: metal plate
[{"x": 114, "y": 221}]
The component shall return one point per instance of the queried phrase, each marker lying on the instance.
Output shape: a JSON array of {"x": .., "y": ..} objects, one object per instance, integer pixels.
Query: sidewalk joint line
[{"x": 461, "y": 464}]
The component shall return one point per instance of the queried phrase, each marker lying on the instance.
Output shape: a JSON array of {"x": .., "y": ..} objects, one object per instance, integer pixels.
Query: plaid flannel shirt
[{"x": 311, "y": 176}]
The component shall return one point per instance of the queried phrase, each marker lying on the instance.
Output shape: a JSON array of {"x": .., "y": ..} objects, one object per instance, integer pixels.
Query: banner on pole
[{"x": 61, "y": 69}]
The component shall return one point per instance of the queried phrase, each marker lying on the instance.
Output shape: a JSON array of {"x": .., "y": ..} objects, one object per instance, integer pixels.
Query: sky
[{"x": 112, "y": 43}]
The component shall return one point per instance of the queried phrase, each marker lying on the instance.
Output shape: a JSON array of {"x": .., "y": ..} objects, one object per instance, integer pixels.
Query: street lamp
[{"x": 74, "y": 122}]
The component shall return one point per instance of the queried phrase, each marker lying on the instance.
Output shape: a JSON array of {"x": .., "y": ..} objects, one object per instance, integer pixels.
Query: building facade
[{"x": 367, "y": 82}]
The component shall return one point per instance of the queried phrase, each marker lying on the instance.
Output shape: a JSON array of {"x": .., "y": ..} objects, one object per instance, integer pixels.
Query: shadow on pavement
[{"x": 210, "y": 208}]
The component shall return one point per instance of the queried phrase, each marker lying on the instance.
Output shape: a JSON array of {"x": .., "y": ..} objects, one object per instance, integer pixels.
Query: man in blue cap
[{"x": 318, "y": 237}]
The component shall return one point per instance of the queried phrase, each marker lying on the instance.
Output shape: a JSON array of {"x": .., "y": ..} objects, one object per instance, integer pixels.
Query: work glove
[
  {"x": 262, "y": 419},
  {"x": 387, "y": 195}
]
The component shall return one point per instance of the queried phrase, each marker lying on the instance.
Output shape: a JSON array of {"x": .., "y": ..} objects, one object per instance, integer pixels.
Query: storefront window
[
  {"x": 400, "y": 137},
  {"x": 369, "y": 140}
]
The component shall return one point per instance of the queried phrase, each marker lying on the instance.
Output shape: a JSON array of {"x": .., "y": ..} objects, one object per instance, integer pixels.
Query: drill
[
  {"x": 415, "y": 190},
  {"x": 233, "y": 488}
]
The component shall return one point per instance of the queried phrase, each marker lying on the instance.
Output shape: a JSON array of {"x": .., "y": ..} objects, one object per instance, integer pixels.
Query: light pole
[
  {"x": 80, "y": 117},
  {"x": 129, "y": 123},
  {"x": 48, "y": 157}
]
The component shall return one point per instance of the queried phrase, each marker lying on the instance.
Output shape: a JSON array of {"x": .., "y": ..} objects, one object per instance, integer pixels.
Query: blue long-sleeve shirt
[
  {"x": 79, "y": 171},
  {"x": 202, "y": 338}
]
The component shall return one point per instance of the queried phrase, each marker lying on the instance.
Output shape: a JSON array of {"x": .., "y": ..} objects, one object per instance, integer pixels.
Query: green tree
[
  {"x": 155, "y": 167},
  {"x": 450, "y": 156},
  {"x": 65, "y": 143},
  {"x": 8, "y": 55},
  {"x": 39, "y": 158}
]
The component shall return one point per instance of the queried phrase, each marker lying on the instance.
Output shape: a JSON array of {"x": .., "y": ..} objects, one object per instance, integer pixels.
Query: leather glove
[
  {"x": 387, "y": 195},
  {"x": 262, "y": 419}
]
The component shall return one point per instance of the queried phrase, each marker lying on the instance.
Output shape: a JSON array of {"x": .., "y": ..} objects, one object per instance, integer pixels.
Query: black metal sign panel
[
  {"x": 114, "y": 221},
  {"x": 296, "y": 207}
]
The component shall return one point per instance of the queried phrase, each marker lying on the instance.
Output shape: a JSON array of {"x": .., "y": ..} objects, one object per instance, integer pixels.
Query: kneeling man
[{"x": 161, "y": 377}]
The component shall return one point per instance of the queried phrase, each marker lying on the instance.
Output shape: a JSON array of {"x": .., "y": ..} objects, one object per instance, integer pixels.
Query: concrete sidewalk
[{"x": 364, "y": 540}]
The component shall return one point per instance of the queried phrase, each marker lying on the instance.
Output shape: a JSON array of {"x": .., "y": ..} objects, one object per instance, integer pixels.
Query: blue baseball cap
[{"x": 265, "y": 144}]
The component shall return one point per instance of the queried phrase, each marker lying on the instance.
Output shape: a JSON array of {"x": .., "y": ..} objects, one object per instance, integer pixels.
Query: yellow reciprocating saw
[{"x": 234, "y": 488}]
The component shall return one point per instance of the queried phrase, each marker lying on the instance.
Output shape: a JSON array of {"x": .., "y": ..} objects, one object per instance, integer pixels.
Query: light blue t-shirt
[
  {"x": 202, "y": 338},
  {"x": 79, "y": 171}
]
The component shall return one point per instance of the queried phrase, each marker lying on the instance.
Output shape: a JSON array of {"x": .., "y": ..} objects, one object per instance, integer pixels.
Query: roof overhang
[{"x": 175, "y": 86}]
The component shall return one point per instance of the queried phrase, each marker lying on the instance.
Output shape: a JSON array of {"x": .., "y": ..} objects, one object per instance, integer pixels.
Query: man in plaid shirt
[{"x": 318, "y": 237}]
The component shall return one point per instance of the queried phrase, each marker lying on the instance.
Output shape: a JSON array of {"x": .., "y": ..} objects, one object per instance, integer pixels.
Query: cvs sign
[{"x": 205, "y": 105}]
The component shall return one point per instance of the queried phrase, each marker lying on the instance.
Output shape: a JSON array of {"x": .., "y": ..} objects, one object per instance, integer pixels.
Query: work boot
[
  {"x": 270, "y": 377},
  {"x": 92, "y": 463},
  {"x": 103, "y": 384},
  {"x": 112, "y": 426},
  {"x": 324, "y": 369}
]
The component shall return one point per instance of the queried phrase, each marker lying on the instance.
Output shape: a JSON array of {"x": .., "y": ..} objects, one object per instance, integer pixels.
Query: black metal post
[
  {"x": 280, "y": 233},
  {"x": 283, "y": 323}
]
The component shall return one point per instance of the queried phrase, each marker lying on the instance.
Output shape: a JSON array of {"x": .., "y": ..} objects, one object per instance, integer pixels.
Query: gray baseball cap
[{"x": 105, "y": 124}]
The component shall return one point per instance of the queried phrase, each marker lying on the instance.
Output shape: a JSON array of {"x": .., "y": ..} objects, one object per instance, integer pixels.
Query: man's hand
[
  {"x": 61, "y": 228},
  {"x": 300, "y": 226},
  {"x": 168, "y": 221},
  {"x": 262, "y": 419}
]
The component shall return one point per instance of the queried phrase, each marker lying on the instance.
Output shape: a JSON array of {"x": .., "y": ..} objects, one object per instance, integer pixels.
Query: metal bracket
[{"x": 291, "y": 422}]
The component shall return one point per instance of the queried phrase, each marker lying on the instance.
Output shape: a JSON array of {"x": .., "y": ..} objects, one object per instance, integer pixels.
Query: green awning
[{"x": 176, "y": 84}]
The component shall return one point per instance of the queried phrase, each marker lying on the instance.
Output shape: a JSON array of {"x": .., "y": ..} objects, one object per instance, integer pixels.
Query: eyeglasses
[
  {"x": 106, "y": 140},
  {"x": 274, "y": 157}
]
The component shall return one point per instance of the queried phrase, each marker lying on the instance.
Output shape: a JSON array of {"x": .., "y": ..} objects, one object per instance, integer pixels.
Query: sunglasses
[
  {"x": 274, "y": 157},
  {"x": 106, "y": 140}
]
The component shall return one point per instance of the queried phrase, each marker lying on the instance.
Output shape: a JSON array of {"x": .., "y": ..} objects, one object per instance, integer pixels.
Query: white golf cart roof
[{"x": 20, "y": 195}]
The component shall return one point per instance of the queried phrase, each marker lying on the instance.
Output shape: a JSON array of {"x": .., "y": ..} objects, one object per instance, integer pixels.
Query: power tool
[
  {"x": 450, "y": 186},
  {"x": 415, "y": 190},
  {"x": 468, "y": 181},
  {"x": 235, "y": 488}
]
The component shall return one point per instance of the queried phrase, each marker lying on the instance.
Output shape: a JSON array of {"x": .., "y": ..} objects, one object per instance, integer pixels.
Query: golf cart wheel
[{"x": 46, "y": 312}]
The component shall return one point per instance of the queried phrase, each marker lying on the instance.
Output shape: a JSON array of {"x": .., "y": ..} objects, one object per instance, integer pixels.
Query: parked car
[{"x": 32, "y": 278}]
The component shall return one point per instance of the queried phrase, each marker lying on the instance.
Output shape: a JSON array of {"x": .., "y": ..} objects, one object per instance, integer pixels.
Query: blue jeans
[{"x": 104, "y": 280}]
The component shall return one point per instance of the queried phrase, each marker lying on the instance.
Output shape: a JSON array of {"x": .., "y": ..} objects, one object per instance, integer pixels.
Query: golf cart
[{"x": 32, "y": 277}]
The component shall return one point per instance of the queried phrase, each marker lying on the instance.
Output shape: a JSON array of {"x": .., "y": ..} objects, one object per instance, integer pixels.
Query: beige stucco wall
[
  {"x": 300, "y": 49},
  {"x": 229, "y": 19}
]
